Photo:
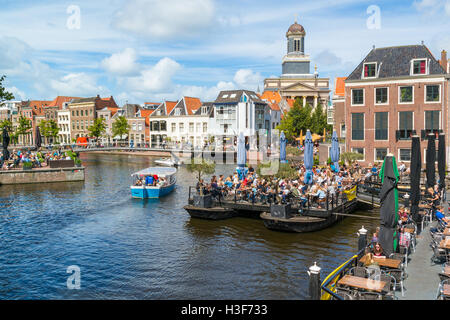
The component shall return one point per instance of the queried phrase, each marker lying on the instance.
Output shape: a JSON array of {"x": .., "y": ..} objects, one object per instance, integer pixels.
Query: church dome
[{"x": 295, "y": 29}]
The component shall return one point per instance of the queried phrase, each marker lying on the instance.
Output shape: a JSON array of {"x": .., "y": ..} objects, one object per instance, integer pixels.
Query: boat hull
[
  {"x": 215, "y": 213},
  {"x": 141, "y": 192}
]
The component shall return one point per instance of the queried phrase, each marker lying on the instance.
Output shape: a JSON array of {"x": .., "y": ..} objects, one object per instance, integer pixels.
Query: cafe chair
[
  {"x": 370, "y": 296},
  {"x": 399, "y": 276},
  {"x": 443, "y": 276},
  {"x": 440, "y": 292},
  {"x": 358, "y": 272},
  {"x": 347, "y": 294},
  {"x": 439, "y": 255},
  {"x": 389, "y": 289}
]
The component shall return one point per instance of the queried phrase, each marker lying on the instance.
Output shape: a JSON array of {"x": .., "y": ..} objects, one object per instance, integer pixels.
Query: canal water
[{"x": 150, "y": 249}]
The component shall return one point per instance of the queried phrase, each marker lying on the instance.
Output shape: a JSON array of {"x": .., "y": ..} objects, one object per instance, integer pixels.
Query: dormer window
[
  {"x": 419, "y": 66},
  {"x": 225, "y": 96},
  {"x": 370, "y": 70},
  {"x": 204, "y": 110},
  {"x": 177, "y": 112}
]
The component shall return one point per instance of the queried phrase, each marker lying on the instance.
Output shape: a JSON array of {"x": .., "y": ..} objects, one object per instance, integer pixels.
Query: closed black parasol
[
  {"x": 389, "y": 205},
  {"x": 5, "y": 142},
  {"x": 441, "y": 161},
  {"x": 431, "y": 161},
  {"x": 38, "y": 138},
  {"x": 416, "y": 167}
]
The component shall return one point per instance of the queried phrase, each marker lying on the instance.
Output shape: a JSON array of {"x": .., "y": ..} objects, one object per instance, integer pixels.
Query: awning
[{"x": 160, "y": 171}]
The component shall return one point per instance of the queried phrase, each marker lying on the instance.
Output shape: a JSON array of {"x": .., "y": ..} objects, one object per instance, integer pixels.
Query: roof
[
  {"x": 295, "y": 28},
  {"x": 83, "y": 100},
  {"x": 60, "y": 100},
  {"x": 339, "y": 86},
  {"x": 192, "y": 104},
  {"x": 146, "y": 113},
  {"x": 396, "y": 61},
  {"x": 274, "y": 106},
  {"x": 160, "y": 171},
  {"x": 170, "y": 105},
  {"x": 234, "y": 96},
  {"x": 271, "y": 96}
]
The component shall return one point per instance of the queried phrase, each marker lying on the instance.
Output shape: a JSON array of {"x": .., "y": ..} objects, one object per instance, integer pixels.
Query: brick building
[
  {"x": 339, "y": 107},
  {"x": 394, "y": 93}
]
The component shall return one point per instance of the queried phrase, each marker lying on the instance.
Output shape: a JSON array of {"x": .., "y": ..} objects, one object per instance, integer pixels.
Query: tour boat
[
  {"x": 167, "y": 162},
  {"x": 145, "y": 192}
]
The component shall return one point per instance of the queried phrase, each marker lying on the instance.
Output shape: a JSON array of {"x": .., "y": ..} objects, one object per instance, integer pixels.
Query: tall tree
[
  {"x": 4, "y": 95},
  {"x": 24, "y": 127},
  {"x": 6, "y": 123},
  {"x": 49, "y": 129},
  {"x": 319, "y": 120},
  {"x": 98, "y": 128},
  {"x": 297, "y": 119},
  {"x": 120, "y": 127}
]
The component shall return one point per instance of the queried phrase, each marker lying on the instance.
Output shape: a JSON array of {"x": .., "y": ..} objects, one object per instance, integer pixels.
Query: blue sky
[{"x": 155, "y": 50}]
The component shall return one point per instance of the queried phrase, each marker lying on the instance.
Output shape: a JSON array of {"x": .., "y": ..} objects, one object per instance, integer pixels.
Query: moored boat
[
  {"x": 153, "y": 182},
  {"x": 167, "y": 162}
]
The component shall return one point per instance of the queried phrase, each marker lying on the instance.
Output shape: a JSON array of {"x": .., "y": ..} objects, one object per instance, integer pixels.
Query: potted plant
[
  {"x": 200, "y": 166},
  {"x": 77, "y": 163},
  {"x": 28, "y": 165}
]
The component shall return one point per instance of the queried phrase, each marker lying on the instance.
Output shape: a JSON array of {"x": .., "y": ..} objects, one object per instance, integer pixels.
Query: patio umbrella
[
  {"x": 282, "y": 147},
  {"x": 38, "y": 138},
  {"x": 430, "y": 161},
  {"x": 441, "y": 161},
  {"x": 389, "y": 205},
  {"x": 416, "y": 168},
  {"x": 308, "y": 157},
  {"x": 241, "y": 151},
  {"x": 5, "y": 144},
  {"x": 334, "y": 153}
]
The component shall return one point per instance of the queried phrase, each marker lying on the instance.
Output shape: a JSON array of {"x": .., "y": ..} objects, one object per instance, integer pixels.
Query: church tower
[{"x": 296, "y": 62}]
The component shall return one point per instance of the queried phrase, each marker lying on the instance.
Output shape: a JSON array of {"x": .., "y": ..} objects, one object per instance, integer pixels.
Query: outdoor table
[
  {"x": 445, "y": 244},
  {"x": 409, "y": 230},
  {"x": 383, "y": 262},
  {"x": 446, "y": 291},
  {"x": 362, "y": 283},
  {"x": 447, "y": 232}
]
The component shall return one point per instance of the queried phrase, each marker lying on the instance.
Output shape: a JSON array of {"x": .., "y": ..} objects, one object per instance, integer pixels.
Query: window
[
  {"x": 381, "y": 95},
  {"x": 78, "y": 113},
  {"x": 433, "y": 93},
  {"x": 370, "y": 70},
  {"x": 134, "y": 127},
  {"x": 419, "y": 66},
  {"x": 177, "y": 112},
  {"x": 174, "y": 127},
  {"x": 404, "y": 154},
  {"x": 406, "y": 94},
  {"x": 197, "y": 127},
  {"x": 191, "y": 127},
  {"x": 204, "y": 110},
  {"x": 163, "y": 125},
  {"x": 357, "y": 126},
  {"x": 205, "y": 127},
  {"x": 405, "y": 125},
  {"x": 181, "y": 127},
  {"x": 432, "y": 120},
  {"x": 381, "y": 125},
  {"x": 380, "y": 154},
  {"x": 357, "y": 96},
  {"x": 358, "y": 150}
]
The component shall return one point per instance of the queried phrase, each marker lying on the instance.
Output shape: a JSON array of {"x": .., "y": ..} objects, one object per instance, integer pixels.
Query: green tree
[
  {"x": 49, "y": 129},
  {"x": 6, "y": 123},
  {"x": 201, "y": 167},
  {"x": 4, "y": 95},
  {"x": 296, "y": 120},
  {"x": 98, "y": 128},
  {"x": 120, "y": 127},
  {"x": 24, "y": 127},
  {"x": 350, "y": 157},
  {"x": 319, "y": 121}
]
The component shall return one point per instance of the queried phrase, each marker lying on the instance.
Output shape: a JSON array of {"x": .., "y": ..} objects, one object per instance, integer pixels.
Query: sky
[{"x": 154, "y": 50}]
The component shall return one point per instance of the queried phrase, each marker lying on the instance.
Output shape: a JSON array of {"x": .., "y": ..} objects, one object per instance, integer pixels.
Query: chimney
[{"x": 443, "y": 60}]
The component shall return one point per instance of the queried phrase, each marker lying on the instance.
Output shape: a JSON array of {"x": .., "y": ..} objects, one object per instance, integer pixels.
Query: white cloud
[
  {"x": 162, "y": 19},
  {"x": 432, "y": 6},
  {"x": 122, "y": 63},
  {"x": 153, "y": 79},
  {"x": 18, "y": 94},
  {"x": 247, "y": 79},
  {"x": 77, "y": 84}
]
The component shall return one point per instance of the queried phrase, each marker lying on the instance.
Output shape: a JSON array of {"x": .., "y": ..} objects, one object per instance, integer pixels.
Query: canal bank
[
  {"x": 41, "y": 175},
  {"x": 150, "y": 249}
]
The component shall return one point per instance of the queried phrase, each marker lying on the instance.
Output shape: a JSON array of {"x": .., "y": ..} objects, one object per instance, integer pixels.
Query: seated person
[
  {"x": 405, "y": 238},
  {"x": 439, "y": 213},
  {"x": 149, "y": 181},
  {"x": 378, "y": 251}
]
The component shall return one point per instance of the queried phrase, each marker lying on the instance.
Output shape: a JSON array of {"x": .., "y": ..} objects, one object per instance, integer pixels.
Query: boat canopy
[{"x": 160, "y": 171}]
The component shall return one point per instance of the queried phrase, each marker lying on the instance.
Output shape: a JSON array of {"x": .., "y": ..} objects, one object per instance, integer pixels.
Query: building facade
[
  {"x": 393, "y": 94},
  {"x": 296, "y": 79},
  {"x": 339, "y": 107}
]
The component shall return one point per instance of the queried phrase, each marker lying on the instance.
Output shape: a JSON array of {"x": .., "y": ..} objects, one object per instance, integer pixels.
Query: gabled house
[{"x": 158, "y": 123}]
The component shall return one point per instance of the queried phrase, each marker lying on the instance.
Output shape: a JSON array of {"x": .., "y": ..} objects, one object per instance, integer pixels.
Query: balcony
[
  {"x": 404, "y": 134},
  {"x": 424, "y": 133}
]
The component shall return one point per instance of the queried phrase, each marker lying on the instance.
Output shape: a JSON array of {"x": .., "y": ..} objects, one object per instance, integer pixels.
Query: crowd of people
[
  {"x": 324, "y": 182},
  {"x": 151, "y": 181},
  {"x": 36, "y": 159}
]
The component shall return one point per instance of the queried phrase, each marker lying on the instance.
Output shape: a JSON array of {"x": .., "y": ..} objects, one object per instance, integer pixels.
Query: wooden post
[
  {"x": 362, "y": 238},
  {"x": 314, "y": 282}
]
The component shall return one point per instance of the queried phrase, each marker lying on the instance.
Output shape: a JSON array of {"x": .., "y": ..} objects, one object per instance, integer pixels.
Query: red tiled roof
[
  {"x": 271, "y": 96},
  {"x": 145, "y": 114},
  {"x": 60, "y": 100},
  {"x": 106, "y": 103},
  {"x": 290, "y": 102},
  {"x": 37, "y": 106},
  {"x": 339, "y": 89},
  {"x": 192, "y": 104},
  {"x": 170, "y": 105},
  {"x": 274, "y": 106}
]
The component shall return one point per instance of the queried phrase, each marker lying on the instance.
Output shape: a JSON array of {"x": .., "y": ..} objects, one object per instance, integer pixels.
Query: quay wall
[{"x": 42, "y": 175}]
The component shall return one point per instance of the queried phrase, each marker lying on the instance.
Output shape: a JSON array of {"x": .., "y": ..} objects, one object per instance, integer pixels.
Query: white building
[{"x": 64, "y": 125}]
